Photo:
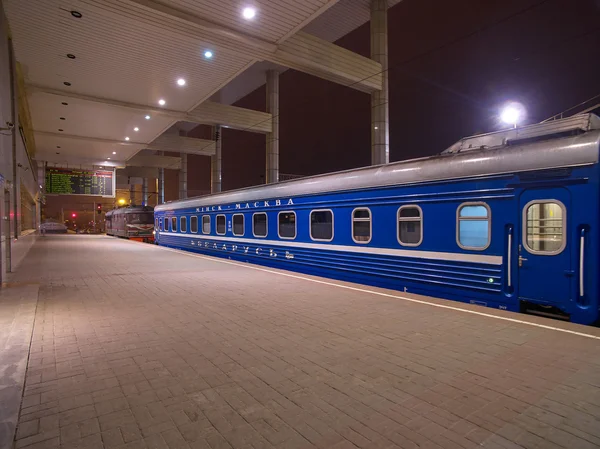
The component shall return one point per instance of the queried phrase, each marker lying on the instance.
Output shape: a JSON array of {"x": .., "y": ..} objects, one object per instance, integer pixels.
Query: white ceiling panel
[
  {"x": 134, "y": 51},
  {"x": 86, "y": 118},
  {"x": 81, "y": 150},
  {"x": 274, "y": 21},
  {"x": 118, "y": 56},
  {"x": 342, "y": 18}
]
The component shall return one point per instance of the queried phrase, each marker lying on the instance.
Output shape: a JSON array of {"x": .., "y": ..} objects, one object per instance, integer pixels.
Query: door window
[{"x": 544, "y": 226}]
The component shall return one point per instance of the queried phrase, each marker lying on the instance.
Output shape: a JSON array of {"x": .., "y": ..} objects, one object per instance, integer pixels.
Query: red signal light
[{"x": 73, "y": 215}]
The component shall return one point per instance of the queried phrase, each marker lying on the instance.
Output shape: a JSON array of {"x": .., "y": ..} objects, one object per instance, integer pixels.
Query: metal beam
[
  {"x": 77, "y": 161},
  {"x": 180, "y": 144},
  {"x": 165, "y": 142},
  {"x": 208, "y": 113},
  {"x": 301, "y": 51},
  {"x": 153, "y": 161},
  {"x": 90, "y": 139}
]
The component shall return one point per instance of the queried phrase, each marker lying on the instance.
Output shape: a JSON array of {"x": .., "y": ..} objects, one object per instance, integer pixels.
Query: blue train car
[{"x": 506, "y": 220}]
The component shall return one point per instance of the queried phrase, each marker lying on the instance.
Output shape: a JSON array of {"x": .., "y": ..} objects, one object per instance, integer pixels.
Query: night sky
[{"x": 452, "y": 65}]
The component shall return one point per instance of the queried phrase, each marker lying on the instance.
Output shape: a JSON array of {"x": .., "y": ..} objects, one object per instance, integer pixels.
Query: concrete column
[
  {"x": 216, "y": 161},
  {"x": 132, "y": 194},
  {"x": 272, "y": 168},
  {"x": 144, "y": 191},
  {"x": 183, "y": 177},
  {"x": 161, "y": 182},
  {"x": 380, "y": 135}
]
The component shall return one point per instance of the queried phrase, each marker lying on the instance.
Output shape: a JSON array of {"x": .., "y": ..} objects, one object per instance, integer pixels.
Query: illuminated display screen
[{"x": 66, "y": 181}]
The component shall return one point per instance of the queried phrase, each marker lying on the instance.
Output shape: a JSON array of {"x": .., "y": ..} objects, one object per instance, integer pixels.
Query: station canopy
[{"x": 108, "y": 78}]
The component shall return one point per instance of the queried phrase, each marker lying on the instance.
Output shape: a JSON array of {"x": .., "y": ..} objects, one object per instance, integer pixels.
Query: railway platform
[{"x": 129, "y": 345}]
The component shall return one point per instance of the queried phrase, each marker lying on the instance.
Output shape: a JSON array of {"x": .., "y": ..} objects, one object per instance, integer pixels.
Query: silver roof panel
[{"x": 563, "y": 152}]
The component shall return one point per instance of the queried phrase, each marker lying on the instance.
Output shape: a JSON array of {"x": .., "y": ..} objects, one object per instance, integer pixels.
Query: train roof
[
  {"x": 130, "y": 210},
  {"x": 561, "y": 143}
]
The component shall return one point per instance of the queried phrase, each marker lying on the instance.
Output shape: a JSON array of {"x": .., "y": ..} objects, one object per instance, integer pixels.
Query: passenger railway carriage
[
  {"x": 507, "y": 220},
  {"x": 134, "y": 223}
]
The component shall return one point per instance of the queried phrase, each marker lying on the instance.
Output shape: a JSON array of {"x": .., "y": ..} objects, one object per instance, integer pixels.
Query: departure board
[{"x": 65, "y": 181}]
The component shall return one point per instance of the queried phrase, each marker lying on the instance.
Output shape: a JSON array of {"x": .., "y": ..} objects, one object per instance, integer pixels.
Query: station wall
[{"x": 19, "y": 190}]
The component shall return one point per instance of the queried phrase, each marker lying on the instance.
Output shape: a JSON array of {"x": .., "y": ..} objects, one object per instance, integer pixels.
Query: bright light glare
[
  {"x": 208, "y": 54},
  {"x": 162, "y": 102},
  {"x": 136, "y": 129},
  {"x": 147, "y": 117},
  {"x": 114, "y": 152},
  {"x": 126, "y": 138},
  {"x": 249, "y": 13},
  {"x": 122, "y": 201},
  {"x": 181, "y": 82},
  {"x": 512, "y": 113}
]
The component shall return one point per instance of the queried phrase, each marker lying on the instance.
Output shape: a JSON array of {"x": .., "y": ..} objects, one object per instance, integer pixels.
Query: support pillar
[
  {"x": 144, "y": 191},
  {"x": 380, "y": 136},
  {"x": 183, "y": 177},
  {"x": 132, "y": 194},
  {"x": 216, "y": 162},
  {"x": 272, "y": 168},
  {"x": 161, "y": 182}
]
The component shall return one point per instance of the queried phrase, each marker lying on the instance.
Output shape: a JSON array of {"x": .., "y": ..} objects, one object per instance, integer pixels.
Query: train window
[
  {"x": 473, "y": 229},
  {"x": 361, "y": 225},
  {"x": 205, "y": 224},
  {"x": 259, "y": 224},
  {"x": 238, "y": 224},
  {"x": 173, "y": 224},
  {"x": 183, "y": 224},
  {"x": 286, "y": 225},
  {"x": 221, "y": 224},
  {"x": 166, "y": 224},
  {"x": 410, "y": 225},
  {"x": 544, "y": 227},
  {"x": 321, "y": 225},
  {"x": 194, "y": 225}
]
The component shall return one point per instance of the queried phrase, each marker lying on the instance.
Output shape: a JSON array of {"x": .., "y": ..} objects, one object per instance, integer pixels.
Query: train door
[{"x": 544, "y": 260}]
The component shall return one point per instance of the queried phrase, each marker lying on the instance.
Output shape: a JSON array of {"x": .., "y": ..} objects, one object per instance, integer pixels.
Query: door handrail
[{"x": 581, "y": 262}]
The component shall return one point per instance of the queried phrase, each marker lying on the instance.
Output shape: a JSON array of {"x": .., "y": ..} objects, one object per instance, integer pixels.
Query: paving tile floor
[{"x": 135, "y": 347}]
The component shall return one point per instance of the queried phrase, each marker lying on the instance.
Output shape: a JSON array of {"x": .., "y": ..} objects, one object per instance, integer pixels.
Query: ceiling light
[
  {"x": 162, "y": 102},
  {"x": 249, "y": 13},
  {"x": 66, "y": 83},
  {"x": 76, "y": 14},
  {"x": 147, "y": 117},
  {"x": 126, "y": 138},
  {"x": 64, "y": 103},
  {"x": 70, "y": 56},
  {"x": 108, "y": 158},
  {"x": 136, "y": 129},
  {"x": 181, "y": 82},
  {"x": 61, "y": 130},
  {"x": 114, "y": 152},
  {"x": 62, "y": 118},
  {"x": 57, "y": 146},
  {"x": 208, "y": 54}
]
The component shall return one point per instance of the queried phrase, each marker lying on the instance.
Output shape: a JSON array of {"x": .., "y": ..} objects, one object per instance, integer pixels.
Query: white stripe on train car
[
  {"x": 432, "y": 255},
  {"x": 387, "y": 295}
]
